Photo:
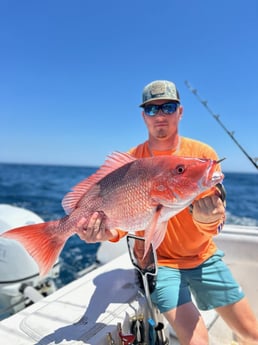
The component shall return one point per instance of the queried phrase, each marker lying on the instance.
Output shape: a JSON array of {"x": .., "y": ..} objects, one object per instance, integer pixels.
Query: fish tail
[{"x": 42, "y": 241}]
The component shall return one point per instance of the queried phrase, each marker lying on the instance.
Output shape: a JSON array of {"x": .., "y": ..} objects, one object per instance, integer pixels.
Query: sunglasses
[{"x": 166, "y": 108}]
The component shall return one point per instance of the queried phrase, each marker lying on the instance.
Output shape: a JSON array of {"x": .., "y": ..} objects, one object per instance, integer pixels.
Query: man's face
[{"x": 161, "y": 125}]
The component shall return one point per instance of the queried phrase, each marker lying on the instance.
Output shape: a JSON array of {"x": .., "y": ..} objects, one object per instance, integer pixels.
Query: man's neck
[{"x": 163, "y": 145}]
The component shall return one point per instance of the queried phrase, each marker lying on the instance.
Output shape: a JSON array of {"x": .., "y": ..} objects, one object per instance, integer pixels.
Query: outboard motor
[{"x": 20, "y": 283}]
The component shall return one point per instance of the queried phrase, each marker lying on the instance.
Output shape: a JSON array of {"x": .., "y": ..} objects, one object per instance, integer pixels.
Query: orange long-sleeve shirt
[{"x": 187, "y": 243}]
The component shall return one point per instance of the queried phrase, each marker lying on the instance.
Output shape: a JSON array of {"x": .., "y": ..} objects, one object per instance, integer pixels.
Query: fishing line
[{"x": 216, "y": 117}]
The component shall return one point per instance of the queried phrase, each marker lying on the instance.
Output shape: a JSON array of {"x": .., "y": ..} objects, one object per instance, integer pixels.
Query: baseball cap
[{"x": 160, "y": 89}]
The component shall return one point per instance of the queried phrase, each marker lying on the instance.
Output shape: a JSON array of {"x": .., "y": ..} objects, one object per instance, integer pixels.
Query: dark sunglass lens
[
  {"x": 169, "y": 108},
  {"x": 151, "y": 110}
]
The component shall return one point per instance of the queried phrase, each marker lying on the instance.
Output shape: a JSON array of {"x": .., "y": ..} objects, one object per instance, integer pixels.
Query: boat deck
[{"x": 84, "y": 311}]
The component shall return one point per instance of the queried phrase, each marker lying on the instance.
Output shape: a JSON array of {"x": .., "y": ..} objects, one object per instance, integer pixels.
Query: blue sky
[{"x": 72, "y": 74}]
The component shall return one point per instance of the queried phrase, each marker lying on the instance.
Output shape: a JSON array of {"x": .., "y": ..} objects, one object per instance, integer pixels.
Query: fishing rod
[
  {"x": 147, "y": 267},
  {"x": 216, "y": 117}
]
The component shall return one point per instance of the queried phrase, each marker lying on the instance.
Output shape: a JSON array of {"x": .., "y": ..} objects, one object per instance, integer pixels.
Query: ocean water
[{"x": 40, "y": 188}]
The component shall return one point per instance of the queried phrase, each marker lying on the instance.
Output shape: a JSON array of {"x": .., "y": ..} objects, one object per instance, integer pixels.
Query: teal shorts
[{"x": 211, "y": 284}]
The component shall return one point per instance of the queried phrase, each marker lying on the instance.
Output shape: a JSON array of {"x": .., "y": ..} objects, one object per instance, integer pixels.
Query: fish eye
[{"x": 180, "y": 169}]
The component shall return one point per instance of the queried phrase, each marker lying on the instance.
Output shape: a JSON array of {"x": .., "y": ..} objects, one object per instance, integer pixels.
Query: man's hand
[
  {"x": 95, "y": 230},
  {"x": 209, "y": 209}
]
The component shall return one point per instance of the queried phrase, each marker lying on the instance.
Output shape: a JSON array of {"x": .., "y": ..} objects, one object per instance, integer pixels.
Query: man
[{"x": 188, "y": 259}]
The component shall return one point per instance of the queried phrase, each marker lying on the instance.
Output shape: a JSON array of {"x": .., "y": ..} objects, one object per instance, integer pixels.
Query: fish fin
[
  {"x": 159, "y": 234},
  {"x": 41, "y": 241},
  {"x": 151, "y": 230},
  {"x": 113, "y": 162}
]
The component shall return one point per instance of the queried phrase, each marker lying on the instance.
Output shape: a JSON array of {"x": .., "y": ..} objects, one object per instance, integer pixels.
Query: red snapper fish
[{"x": 134, "y": 194}]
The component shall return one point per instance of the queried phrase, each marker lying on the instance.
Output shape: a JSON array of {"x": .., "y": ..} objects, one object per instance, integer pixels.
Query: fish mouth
[
  {"x": 213, "y": 177},
  {"x": 217, "y": 177}
]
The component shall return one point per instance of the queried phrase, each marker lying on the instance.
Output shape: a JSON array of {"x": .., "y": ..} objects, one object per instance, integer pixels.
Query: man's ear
[{"x": 181, "y": 110}]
